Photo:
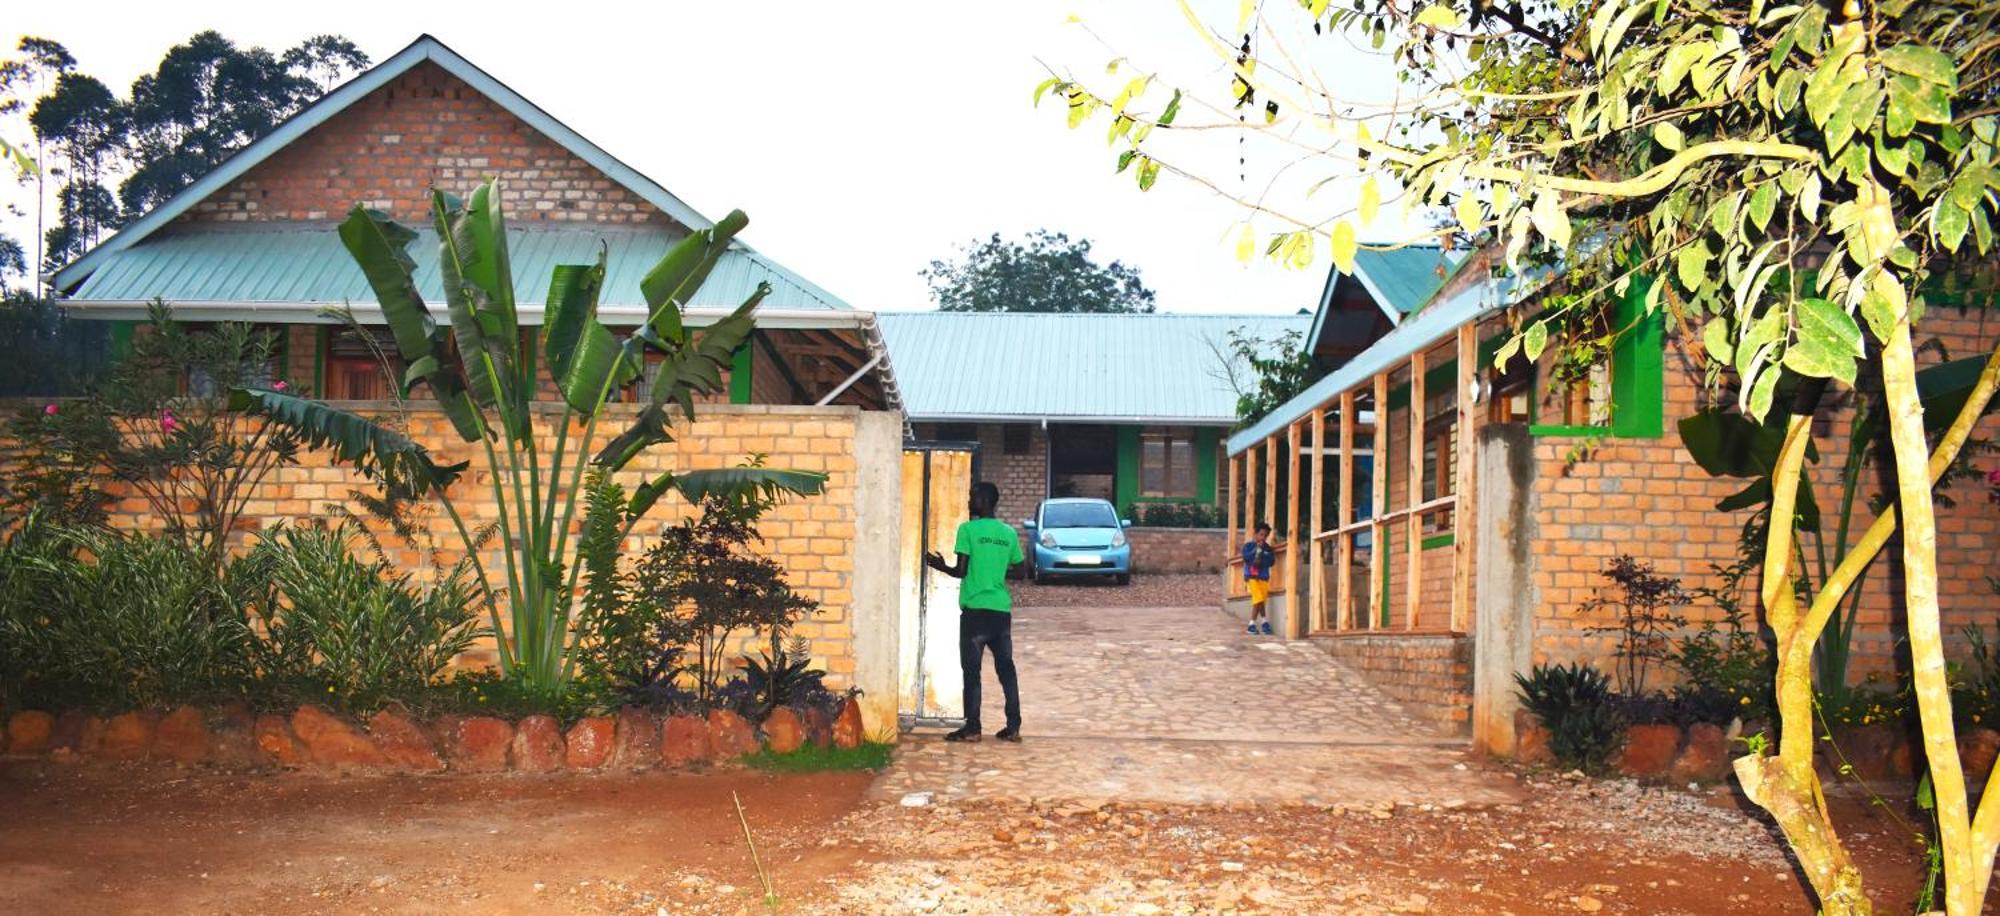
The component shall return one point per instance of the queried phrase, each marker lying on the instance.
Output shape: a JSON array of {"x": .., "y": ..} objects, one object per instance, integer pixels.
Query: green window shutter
[
  {"x": 739, "y": 375},
  {"x": 1638, "y": 366},
  {"x": 1127, "y": 488}
]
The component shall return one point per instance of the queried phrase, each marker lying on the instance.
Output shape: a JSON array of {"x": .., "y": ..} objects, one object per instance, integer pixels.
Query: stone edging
[
  {"x": 1702, "y": 751},
  {"x": 314, "y": 739}
]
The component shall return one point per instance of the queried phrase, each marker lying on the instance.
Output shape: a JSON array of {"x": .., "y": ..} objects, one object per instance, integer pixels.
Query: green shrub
[
  {"x": 350, "y": 633},
  {"x": 1976, "y": 699},
  {"x": 1178, "y": 515},
  {"x": 108, "y": 621},
  {"x": 1574, "y": 703}
]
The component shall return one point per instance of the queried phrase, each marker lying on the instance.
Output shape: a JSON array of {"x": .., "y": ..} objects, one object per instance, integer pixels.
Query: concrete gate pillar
[
  {"x": 878, "y": 506},
  {"x": 1504, "y": 619}
]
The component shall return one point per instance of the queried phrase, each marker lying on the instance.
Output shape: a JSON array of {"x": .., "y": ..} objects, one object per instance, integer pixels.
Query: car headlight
[
  {"x": 1048, "y": 540},
  {"x": 1118, "y": 539}
]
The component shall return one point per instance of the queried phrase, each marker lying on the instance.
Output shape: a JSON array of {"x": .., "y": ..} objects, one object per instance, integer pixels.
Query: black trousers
[{"x": 980, "y": 630}]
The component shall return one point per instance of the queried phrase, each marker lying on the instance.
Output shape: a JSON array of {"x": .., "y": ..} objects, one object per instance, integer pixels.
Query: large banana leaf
[
  {"x": 380, "y": 246},
  {"x": 728, "y": 483},
  {"x": 583, "y": 355},
  {"x": 648, "y": 429},
  {"x": 697, "y": 366},
  {"x": 487, "y": 337},
  {"x": 672, "y": 282},
  {"x": 379, "y": 453}
]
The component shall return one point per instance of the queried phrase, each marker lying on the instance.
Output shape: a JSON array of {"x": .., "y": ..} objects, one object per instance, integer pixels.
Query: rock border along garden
[{"x": 311, "y": 738}]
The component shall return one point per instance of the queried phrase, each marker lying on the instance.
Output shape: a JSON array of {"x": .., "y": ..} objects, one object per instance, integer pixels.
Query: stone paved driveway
[{"x": 1179, "y": 705}]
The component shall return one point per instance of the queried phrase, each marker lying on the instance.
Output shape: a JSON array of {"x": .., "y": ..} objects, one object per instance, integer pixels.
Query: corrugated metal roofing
[
  {"x": 305, "y": 263},
  {"x": 1065, "y": 367},
  {"x": 1404, "y": 278},
  {"x": 1432, "y": 324}
]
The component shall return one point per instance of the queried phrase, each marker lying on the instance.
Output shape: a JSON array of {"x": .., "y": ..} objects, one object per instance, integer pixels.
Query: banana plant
[{"x": 484, "y": 379}]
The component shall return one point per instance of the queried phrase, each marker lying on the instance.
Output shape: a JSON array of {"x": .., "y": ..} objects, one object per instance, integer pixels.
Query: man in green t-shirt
[{"x": 986, "y": 548}]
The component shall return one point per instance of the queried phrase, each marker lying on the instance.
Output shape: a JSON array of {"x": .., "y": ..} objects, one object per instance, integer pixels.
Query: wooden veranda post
[
  {"x": 1232, "y": 510},
  {"x": 1293, "y": 543},
  {"x": 1271, "y": 483},
  {"x": 1378, "y": 591},
  {"x": 1318, "y": 476},
  {"x": 1344, "y": 514},
  {"x": 1465, "y": 501},
  {"x": 1414, "y": 523}
]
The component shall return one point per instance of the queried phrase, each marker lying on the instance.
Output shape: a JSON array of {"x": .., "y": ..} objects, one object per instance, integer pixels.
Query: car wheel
[{"x": 1124, "y": 579}]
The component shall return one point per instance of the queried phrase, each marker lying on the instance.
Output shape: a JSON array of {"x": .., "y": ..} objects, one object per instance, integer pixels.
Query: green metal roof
[
  {"x": 305, "y": 264},
  {"x": 1400, "y": 281},
  {"x": 972, "y": 366}
]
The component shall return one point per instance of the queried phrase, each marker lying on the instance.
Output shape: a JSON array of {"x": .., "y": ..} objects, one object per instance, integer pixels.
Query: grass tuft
[{"x": 809, "y": 759}]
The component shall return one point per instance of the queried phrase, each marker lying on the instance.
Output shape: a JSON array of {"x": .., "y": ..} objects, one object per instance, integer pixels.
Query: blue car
[{"x": 1079, "y": 537}]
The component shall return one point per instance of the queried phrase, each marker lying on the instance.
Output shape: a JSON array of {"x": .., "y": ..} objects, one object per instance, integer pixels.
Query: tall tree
[
  {"x": 209, "y": 98},
  {"x": 1788, "y": 183},
  {"x": 1047, "y": 272},
  {"x": 205, "y": 100},
  {"x": 82, "y": 126}
]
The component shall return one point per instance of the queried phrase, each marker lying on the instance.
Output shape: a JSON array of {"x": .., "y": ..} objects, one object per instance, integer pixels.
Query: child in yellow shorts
[{"x": 1258, "y": 558}]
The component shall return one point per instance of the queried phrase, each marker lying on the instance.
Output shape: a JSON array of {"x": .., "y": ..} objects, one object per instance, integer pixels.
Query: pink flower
[
  {"x": 1992, "y": 476},
  {"x": 278, "y": 385},
  {"x": 167, "y": 422},
  {"x": 49, "y": 411}
]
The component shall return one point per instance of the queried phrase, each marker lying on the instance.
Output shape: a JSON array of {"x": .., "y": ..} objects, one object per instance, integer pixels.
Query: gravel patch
[{"x": 1177, "y": 590}]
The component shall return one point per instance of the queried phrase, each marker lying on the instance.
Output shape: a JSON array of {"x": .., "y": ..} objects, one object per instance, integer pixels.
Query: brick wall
[
  {"x": 1430, "y": 674},
  {"x": 1023, "y": 478},
  {"x": 426, "y": 128},
  {"x": 1178, "y": 550},
  {"x": 814, "y": 539},
  {"x": 1645, "y": 497}
]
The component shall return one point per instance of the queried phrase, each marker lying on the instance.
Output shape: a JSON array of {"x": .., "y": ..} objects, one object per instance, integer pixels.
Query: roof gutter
[
  {"x": 1045, "y": 419},
  {"x": 767, "y": 319},
  {"x": 294, "y": 312}
]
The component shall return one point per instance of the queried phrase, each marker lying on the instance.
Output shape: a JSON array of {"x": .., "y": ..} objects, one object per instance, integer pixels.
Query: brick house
[
  {"x": 1123, "y": 407},
  {"x": 254, "y": 241},
  {"x": 1494, "y": 527}
]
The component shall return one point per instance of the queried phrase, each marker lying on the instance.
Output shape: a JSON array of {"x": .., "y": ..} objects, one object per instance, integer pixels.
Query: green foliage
[
  {"x": 1573, "y": 702},
  {"x": 51, "y": 354},
  {"x": 1976, "y": 690},
  {"x": 1279, "y": 370},
  {"x": 161, "y": 425},
  {"x": 347, "y": 633},
  {"x": 784, "y": 678},
  {"x": 110, "y": 622},
  {"x": 1866, "y": 704},
  {"x": 870, "y": 756},
  {"x": 1178, "y": 515},
  {"x": 1645, "y": 605},
  {"x": 1727, "y": 671},
  {"x": 1046, "y": 273},
  {"x": 692, "y": 591},
  {"x": 483, "y": 379}
]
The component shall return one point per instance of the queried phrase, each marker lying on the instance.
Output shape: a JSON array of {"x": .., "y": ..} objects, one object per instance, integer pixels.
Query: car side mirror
[
  {"x": 1124, "y": 523},
  {"x": 1029, "y": 524}
]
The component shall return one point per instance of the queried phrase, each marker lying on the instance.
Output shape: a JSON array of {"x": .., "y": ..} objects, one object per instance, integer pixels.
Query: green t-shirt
[{"x": 991, "y": 546}]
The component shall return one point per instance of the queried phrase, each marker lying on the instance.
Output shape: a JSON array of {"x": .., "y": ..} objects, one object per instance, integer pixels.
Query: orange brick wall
[
  {"x": 1645, "y": 497},
  {"x": 815, "y": 538},
  {"x": 426, "y": 128}
]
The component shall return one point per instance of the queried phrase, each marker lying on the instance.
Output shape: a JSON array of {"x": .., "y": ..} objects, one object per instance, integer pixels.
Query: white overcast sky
[{"x": 864, "y": 139}]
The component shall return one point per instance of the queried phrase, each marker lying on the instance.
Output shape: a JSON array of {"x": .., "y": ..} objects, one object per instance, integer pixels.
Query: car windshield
[{"x": 1078, "y": 515}]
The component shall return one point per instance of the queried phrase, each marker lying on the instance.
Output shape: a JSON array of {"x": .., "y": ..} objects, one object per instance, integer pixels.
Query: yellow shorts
[{"x": 1260, "y": 590}]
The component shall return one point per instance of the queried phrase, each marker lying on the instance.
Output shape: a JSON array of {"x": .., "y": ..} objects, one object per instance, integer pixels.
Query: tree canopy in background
[
  {"x": 107, "y": 160},
  {"x": 1046, "y": 272}
]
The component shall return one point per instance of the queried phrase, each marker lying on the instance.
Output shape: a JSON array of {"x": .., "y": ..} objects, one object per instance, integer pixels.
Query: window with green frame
[{"x": 1622, "y": 395}]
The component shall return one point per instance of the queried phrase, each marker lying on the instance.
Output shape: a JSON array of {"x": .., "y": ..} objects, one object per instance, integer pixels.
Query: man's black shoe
[
  {"x": 967, "y": 735},
  {"x": 1010, "y": 733}
]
